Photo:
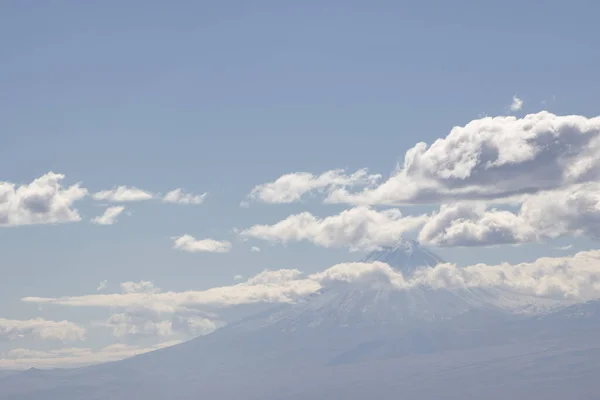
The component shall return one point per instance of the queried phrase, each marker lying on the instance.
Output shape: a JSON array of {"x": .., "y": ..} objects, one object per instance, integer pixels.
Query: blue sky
[{"x": 220, "y": 98}]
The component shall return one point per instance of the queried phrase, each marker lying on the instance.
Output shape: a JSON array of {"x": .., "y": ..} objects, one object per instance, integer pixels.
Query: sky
[{"x": 152, "y": 147}]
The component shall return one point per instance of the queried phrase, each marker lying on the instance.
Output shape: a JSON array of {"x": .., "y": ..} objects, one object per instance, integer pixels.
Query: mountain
[
  {"x": 407, "y": 256},
  {"x": 361, "y": 341}
]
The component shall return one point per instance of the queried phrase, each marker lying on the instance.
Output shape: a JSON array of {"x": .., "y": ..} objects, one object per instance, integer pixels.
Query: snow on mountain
[
  {"x": 359, "y": 340},
  {"x": 407, "y": 256}
]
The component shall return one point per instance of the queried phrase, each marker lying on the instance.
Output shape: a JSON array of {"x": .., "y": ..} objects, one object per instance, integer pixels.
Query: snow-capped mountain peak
[{"x": 407, "y": 256}]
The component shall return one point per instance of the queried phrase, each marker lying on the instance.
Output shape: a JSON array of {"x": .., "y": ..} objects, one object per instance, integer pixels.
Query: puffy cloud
[
  {"x": 43, "y": 201},
  {"x": 471, "y": 225},
  {"x": 179, "y": 197},
  {"x": 365, "y": 272},
  {"x": 255, "y": 249},
  {"x": 492, "y": 159},
  {"x": 359, "y": 228},
  {"x": 545, "y": 215},
  {"x": 102, "y": 285},
  {"x": 516, "y": 104},
  {"x": 238, "y": 277},
  {"x": 75, "y": 356},
  {"x": 192, "y": 245},
  {"x": 109, "y": 217},
  {"x": 41, "y": 329},
  {"x": 291, "y": 187},
  {"x": 575, "y": 210},
  {"x": 123, "y": 194}
]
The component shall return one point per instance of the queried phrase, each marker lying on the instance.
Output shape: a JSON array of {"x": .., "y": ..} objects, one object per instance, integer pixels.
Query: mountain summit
[{"x": 406, "y": 257}]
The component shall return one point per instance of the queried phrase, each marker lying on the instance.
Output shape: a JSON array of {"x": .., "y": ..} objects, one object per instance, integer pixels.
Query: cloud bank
[
  {"x": 23, "y": 358},
  {"x": 572, "y": 278},
  {"x": 40, "y": 328},
  {"x": 360, "y": 228}
]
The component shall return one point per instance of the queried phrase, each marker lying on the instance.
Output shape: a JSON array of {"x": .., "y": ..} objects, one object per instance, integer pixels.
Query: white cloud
[
  {"x": 255, "y": 249},
  {"x": 281, "y": 286},
  {"x": 123, "y": 194},
  {"x": 291, "y": 187},
  {"x": 41, "y": 329},
  {"x": 564, "y": 248},
  {"x": 471, "y": 225},
  {"x": 126, "y": 324},
  {"x": 178, "y": 196},
  {"x": 571, "y": 278},
  {"x": 491, "y": 159},
  {"x": 75, "y": 356},
  {"x": 109, "y": 217},
  {"x": 192, "y": 245},
  {"x": 238, "y": 277},
  {"x": 139, "y": 287},
  {"x": 43, "y": 201},
  {"x": 102, "y": 285},
  {"x": 359, "y": 228},
  {"x": 545, "y": 215},
  {"x": 516, "y": 104},
  {"x": 142, "y": 319}
]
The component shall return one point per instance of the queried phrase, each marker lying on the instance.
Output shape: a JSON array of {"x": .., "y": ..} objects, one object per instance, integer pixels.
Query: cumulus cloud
[
  {"x": 192, "y": 245},
  {"x": 109, "y": 217},
  {"x": 123, "y": 194},
  {"x": 255, "y": 249},
  {"x": 516, "y": 104},
  {"x": 41, "y": 329},
  {"x": 491, "y": 159},
  {"x": 360, "y": 228},
  {"x": 43, "y": 201},
  {"x": 545, "y": 215},
  {"x": 473, "y": 225},
  {"x": 102, "y": 285},
  {"x": 22, "y": 358},
  {"x": 292, "y": 187},
  {"x": 179, "y": 197}
]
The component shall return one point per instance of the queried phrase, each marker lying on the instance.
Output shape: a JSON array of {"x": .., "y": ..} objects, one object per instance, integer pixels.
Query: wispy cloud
[
  {"x": 179, "y": 197},
  {"x": 123, "y": 194},
  {"x": 516, "y": 104},
  {"x": 192, "y": 245},
  {"x": 23, "y": 358},
  {"x": 109, "y": 217},
  {"x": 292, "y": 187},
  {"x": 102, "y": 285}
]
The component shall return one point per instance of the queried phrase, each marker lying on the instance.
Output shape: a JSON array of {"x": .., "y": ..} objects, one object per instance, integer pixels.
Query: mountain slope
[{"x": 359, "y": 341}]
